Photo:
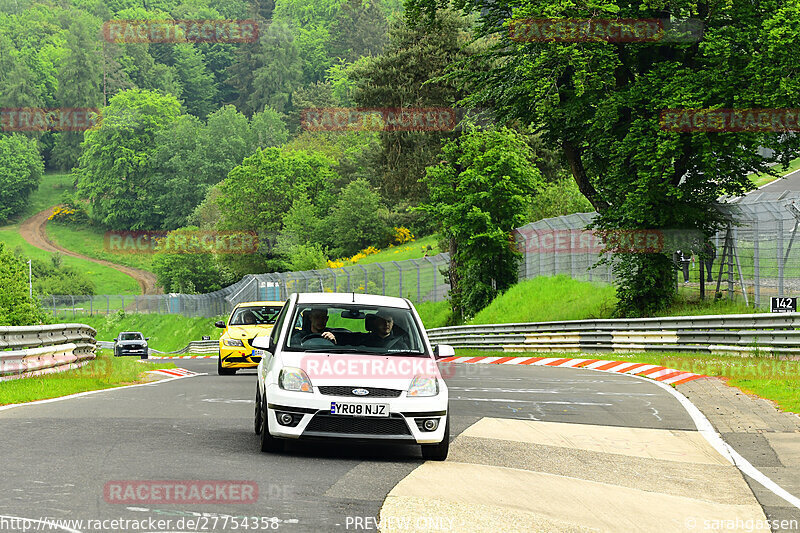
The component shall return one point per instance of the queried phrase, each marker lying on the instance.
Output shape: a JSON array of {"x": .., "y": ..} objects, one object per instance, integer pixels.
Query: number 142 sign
[{"x": 783, "y": 305}]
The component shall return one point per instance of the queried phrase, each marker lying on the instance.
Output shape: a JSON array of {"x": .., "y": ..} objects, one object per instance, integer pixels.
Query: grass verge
[
  {"x": 774, "y": 379},
  {"x": 167, "y": 332},
  {"x": 410, "y": 250},
  {"x": 106, "y": 279},
  {"x": 762, "y": 179},
  {"x": 105, "y": 372},
  {"x": 90, "y": 241}
]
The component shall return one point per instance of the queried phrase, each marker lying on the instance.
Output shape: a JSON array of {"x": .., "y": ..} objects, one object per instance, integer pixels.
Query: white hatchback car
[{"x": 351, "y": 366}]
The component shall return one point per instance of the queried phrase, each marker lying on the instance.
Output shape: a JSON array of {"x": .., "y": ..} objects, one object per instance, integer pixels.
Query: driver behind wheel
[{"x": 317, "y": 319}]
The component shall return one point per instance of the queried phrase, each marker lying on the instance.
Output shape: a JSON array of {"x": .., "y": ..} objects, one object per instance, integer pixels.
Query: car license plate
[
  {"x": 360, "y": 409},
  {"x": 259, "y": 353}
]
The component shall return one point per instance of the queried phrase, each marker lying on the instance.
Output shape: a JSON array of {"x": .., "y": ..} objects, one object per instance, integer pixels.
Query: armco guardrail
[
  {"x": 737, "y": 334},
  {"x": 27, "y": 351},
  {"x": 200, "y": 347}
]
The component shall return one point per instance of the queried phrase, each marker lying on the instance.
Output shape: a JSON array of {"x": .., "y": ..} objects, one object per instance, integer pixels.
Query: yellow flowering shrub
[{"x": 403, "y": 235}]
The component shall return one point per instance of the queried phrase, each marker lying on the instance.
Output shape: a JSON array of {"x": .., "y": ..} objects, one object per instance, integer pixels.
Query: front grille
[
  {"x": 374, "y": 392},
  {"x": 394, "y": 425}
]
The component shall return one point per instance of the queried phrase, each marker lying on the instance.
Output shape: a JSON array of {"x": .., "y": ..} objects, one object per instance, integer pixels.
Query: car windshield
[
  {"x": 130, "y": 337},
  {"x": 354, "y": 329},
  {"x": 255, "y": 315}
]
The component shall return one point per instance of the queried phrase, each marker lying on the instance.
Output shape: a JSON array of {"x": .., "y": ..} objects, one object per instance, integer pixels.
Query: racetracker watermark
[
  {"x": 49, "y": 118},
  {"x": 320, "y": 366},
  {"x": 381, "y": 119},
  {"x": 569, "y": 30},
  {"x": 185, "y": 242},
  {"x": 180, "y": 31},
  {"x": 730, "y": 120},
  {"x": 180, "y": 492},
  {"x": 738, "y": 368},
  {"x": 634, "y": 241}
]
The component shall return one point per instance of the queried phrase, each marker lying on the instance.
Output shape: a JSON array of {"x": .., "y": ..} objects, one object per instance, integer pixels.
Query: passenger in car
[{"x": 381, "y": 332}]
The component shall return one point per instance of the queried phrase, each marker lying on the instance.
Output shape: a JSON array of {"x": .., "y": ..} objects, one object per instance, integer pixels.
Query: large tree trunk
[{"x": 573, "y": 155}]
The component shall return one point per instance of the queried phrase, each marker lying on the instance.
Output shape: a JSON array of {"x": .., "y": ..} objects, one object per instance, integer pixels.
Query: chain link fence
[
  {"x": 756, "y": 258},
  {"x": 420, "y": 280}
]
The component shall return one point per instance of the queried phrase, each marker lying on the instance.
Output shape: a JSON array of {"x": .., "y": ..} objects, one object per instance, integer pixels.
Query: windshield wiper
[
  {"x": 406, "y": 354},
  {"x": 334, "y": 350}
]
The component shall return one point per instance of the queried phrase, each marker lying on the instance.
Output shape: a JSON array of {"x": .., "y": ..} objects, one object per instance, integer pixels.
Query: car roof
[
  {"x": 255, "y": 304},
  {"x": 126, "y": 332},
  {"x": 350, "y": 298}
]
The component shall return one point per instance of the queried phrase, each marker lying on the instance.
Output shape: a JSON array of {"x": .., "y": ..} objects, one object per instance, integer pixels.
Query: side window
[{"x": 276, "y": 330}]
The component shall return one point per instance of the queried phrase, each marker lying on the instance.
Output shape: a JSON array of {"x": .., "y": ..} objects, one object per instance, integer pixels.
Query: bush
[{"x": 16, "y": 306}]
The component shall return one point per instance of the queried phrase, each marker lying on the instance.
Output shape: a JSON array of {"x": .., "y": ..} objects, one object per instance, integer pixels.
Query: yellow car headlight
[{"x": 233, "y": 342}]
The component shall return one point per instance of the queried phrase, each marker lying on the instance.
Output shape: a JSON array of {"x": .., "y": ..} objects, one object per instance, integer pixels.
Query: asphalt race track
[{"x": 57, "y": 457}]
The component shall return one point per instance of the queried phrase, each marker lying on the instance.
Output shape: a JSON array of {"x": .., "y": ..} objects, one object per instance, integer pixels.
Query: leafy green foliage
[
  {"x": 407, "y": 75},
  {"x": 16, "y": 307},
  {"x": 189, "y": 273},
  {"x": 117, "y": 171},
  {"x": 357, "y": 220},
  {"x": 558, "y": 198},
  {"x": 56, "y": 278},
  {"x": 478, "y": 195},
  {"x": 21, "y": 169},
  {"x": 600, "y": 103}
]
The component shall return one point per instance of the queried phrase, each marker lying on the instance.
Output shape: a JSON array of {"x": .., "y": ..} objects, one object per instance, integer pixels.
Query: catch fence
[{"x": 756, "y": 258}]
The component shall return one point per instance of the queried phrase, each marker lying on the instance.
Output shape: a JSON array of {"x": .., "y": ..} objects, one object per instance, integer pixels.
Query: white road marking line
[
  {"x": 726, "y": 450},
  {"x": 507, "y": 400}
]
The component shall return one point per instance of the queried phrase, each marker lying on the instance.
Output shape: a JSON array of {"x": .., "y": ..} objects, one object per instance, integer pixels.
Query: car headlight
[
  {"x": 423, "y": 386},
  {"x": 232, "y": 342},
  {"x": 294, "y": 379}
]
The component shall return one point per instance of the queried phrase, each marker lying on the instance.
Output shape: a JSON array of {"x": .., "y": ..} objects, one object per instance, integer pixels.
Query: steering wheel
[
  {"x": 312, "y": 336},
  {"x": 394, "y": 342}
]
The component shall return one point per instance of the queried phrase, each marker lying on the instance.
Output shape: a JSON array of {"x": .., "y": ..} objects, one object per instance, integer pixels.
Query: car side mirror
[
  {"x": 220, "y": 324},
  {"x": 147, "y": 338},
  {"x": 264, "y": 342},
  {"x": 441, "y": 351}
]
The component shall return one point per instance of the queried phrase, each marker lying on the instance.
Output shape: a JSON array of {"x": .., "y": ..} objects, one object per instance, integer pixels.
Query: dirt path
[{"x": 33, "y": 231}]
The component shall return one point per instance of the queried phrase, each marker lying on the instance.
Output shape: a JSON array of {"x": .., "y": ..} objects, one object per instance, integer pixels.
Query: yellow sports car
[{"x": 247, "y": 320}]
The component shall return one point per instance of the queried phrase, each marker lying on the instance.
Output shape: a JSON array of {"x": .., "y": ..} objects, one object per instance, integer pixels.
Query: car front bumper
[
  {"x": 237, "y": 357},
  {"x": 317, "y": 422}
]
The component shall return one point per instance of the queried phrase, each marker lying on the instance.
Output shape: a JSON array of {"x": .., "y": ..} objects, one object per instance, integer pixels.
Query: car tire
[
  {"x": 224, "y": 371},
  {"x": 438, "y": 452},
  {"x": 268, "y": 442},
  {"x": 146, "y": 354},
  {"x": 258, "y": 419}
]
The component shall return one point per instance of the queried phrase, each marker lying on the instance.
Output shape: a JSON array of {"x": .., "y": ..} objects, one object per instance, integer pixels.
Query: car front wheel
[
  {"x": 268, "y": 442},
  {"x": 224, "y": 371},
  {"x": 258, "y": 420},
  {"x": 438, "y": 452}
]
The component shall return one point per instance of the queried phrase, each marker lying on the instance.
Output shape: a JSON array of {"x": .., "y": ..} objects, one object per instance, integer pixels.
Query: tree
[
  {"x": 267, "y": 71},
  {"x": 21, "y": 169},
  {"x": 601, "y": 104},
  {"x": 177, "y": 159},
  {"x": 406, "y": 75},
  {"x": 188, "y": 273},
  {"x": 359, "y": 29},
  {"x": 199, "y": 85},
  {"x": 479, "y": 195},
  {"x": 16, "y": 306},
  {"x": 118, "y": 170},
  {"x": 267, "y": 128},
  {"x": 258, "y": 192},
  {"x": 357, "y": 220},
  {"x": 79, "y": 83}
]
